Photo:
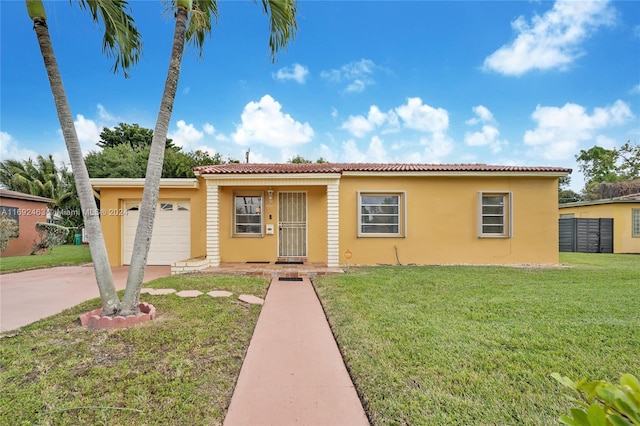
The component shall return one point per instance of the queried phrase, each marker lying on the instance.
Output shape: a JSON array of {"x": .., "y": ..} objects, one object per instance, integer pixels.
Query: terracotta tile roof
[{"x": 264, "y": 168}]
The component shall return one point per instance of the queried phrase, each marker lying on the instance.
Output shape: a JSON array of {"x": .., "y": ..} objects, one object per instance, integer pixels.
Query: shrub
[
  {"x": 8, "y": 231},
  {"x": 51, "y": 235},
  {"x": 603, "y": 403}
]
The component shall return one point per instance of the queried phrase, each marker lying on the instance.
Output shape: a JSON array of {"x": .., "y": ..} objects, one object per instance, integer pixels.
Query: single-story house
[
  {"x": 337, "y": 214},
  {"x": 27, "y": 210},
  {"x": 623, "y": 212}
]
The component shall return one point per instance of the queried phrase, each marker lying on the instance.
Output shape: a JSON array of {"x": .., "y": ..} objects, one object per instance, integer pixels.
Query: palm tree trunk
[
  {"x": 108, "y": 295},
  {"x": 142, "y": 240}
]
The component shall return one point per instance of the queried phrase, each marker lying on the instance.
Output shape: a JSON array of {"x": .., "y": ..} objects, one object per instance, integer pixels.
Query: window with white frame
[
  {"x": 381, "y": 214},
  {"x": 248, "y": 215},
  {"x": 635, "y": 223},
  {"x": 494, "y": 214}
]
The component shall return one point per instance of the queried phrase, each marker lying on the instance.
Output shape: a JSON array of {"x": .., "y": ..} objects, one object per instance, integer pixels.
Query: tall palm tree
[
  {"x": 41, "y": 177},
  {"x": 193, "y": 23},
  {"x": 121, "y": 41}
]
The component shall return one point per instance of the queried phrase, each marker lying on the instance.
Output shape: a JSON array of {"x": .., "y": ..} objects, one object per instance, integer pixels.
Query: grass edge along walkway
[{"x": 476, "y": 345}]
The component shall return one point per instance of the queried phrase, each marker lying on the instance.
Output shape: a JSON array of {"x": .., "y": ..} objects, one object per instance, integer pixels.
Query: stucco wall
[
  {"x": 30, "y": 212},
  {"x": 623, "y": 241},
  {"x": 112, "y": 202},
  {"x": 265, "y": 248},
  {"x": 442, "y": 220}
]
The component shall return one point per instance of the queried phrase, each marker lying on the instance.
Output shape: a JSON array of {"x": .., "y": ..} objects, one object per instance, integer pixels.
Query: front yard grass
[
  {"x": 179, "y": 369},
  {"x": 476, "y": 345},
  {"x": 65, "y": 255}
]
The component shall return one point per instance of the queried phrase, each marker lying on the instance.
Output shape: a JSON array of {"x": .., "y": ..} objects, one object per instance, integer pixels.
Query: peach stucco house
[
  {"x": 27, "y": 210},
  {"x": 624, "y": 213},
  {"x": 330, "y": 213}
]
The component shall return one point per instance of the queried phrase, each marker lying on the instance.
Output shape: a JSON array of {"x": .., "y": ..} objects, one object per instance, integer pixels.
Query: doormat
[
  {"x": 259, "y": 261},
  {"x": 287, "y": 262},
  {"x": 289, "y": 279}
]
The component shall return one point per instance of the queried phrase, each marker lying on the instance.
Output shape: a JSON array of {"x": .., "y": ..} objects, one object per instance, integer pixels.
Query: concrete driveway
[{"x": 29, "y": 296}]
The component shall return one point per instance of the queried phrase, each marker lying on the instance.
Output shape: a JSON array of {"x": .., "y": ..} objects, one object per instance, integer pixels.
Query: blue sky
[{"x": 503, "y": 82}]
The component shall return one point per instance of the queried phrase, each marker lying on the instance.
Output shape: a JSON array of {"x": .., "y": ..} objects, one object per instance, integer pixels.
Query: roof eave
[{"x": 165, "y": 183}]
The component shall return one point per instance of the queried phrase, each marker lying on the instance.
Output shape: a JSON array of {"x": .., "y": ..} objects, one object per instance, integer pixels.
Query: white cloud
[
  {"x": 560, "y": 131},
  {"x": 264, "y": 122},
  {"x": 105, "y": 116},
  {"x": 88, "y": 130},
  {"x": 436, "y": 148},
  {"x": 10, "y": 149},
  {"x": 635, "y": 90},
  {"x": 186, "y": 135},
  {"x": 551, "y": 40},
  {"x": 375, "y": 151},
  {"x": 483, "y": 115},
  {"x": 208, "y": 128},
  {"x": 326, "y": 152},
  {"x": 88, "y": 133},
  {"x": 418, "y": 116},
  {"x": 360, "y": 125},
  {"x": 488, "y": 135},
  {"x": 357, "y": 75},
  {"x": 296, "y": 72}
]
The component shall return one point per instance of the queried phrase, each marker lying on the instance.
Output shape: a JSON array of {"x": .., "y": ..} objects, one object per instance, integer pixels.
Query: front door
[{"x": 292, "y": 224}]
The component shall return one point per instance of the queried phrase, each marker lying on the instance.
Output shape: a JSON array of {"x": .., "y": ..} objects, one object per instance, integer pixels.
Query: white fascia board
[
  {"x": 274, "y": 179},
  {"x": 99, "y": 183}
]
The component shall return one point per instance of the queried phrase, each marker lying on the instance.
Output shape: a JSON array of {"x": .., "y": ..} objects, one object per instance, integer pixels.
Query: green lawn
[
  {"x": 58, "y": 256},
  {"x": 476, "y": 345},
  {"x": 425, "y": 345},
  {"x": 179, "y": 369}
]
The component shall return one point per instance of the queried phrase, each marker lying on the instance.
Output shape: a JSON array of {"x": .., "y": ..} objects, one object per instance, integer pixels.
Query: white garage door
[{"x": 171, "y": 238}]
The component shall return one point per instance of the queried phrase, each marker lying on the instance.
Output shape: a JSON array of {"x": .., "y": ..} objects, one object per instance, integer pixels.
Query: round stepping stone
[
  {"x": 253, "y": 300},
  {"x": 219, "y": 293},
  {"x": 189, "y": 293},
  {"x": 159, "y": 291}
]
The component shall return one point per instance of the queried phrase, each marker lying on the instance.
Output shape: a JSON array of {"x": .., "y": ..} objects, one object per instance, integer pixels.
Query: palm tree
[
  {"x": 193, "y": 24},
  {"x": 42, "y": 178},
  {"x": 122, "y": 41}
]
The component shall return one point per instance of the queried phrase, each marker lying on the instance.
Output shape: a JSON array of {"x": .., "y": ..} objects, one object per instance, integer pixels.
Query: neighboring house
[
  {"x": 622, "y": 212},
  {"x": 27, "y": 210},
  {"x": 333, "y": 214}
]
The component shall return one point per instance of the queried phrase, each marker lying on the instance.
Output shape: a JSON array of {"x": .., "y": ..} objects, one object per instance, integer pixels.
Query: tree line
[{"x": 608, "y": 173}]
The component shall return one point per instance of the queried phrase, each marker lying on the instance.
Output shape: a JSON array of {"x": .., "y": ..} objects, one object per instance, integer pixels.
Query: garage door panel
[{"x": 171, "y": 238}]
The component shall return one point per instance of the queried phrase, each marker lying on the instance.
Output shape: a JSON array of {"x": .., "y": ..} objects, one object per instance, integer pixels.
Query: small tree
[
  {"x": 8, "y": 231},
  {"x": 51, "y": 235}
]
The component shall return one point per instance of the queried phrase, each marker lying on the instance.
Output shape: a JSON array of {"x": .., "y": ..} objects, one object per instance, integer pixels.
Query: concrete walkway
[
  {"x": 293, "y": 373},
  {"x": 29, "y": 296}
]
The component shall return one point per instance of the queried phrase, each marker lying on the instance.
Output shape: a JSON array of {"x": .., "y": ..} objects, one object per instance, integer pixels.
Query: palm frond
[
  {"x": 121, "y": 39},
  {"x": 282, "y": 23},
  {"x": 201, "y": 17}
]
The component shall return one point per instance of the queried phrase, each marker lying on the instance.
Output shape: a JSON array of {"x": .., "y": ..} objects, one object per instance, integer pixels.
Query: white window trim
[
  {"x": 235, "y": 234},
  {"x": 634, "y": 212},
  {"x": 508, "y": 227},
  {"x": 402, "y": 214}
]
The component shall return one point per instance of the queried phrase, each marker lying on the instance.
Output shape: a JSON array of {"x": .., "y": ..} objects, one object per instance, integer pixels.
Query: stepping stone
[
  {"x": 189, "y": 293},
  {"x": 219, "y": 293},
  {"x": 157, "y": 292},
  {"x": 253, "y": 300}
]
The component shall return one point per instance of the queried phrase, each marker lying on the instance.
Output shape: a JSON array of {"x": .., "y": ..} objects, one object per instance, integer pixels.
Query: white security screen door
[{"x": 292, "y": 224}]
